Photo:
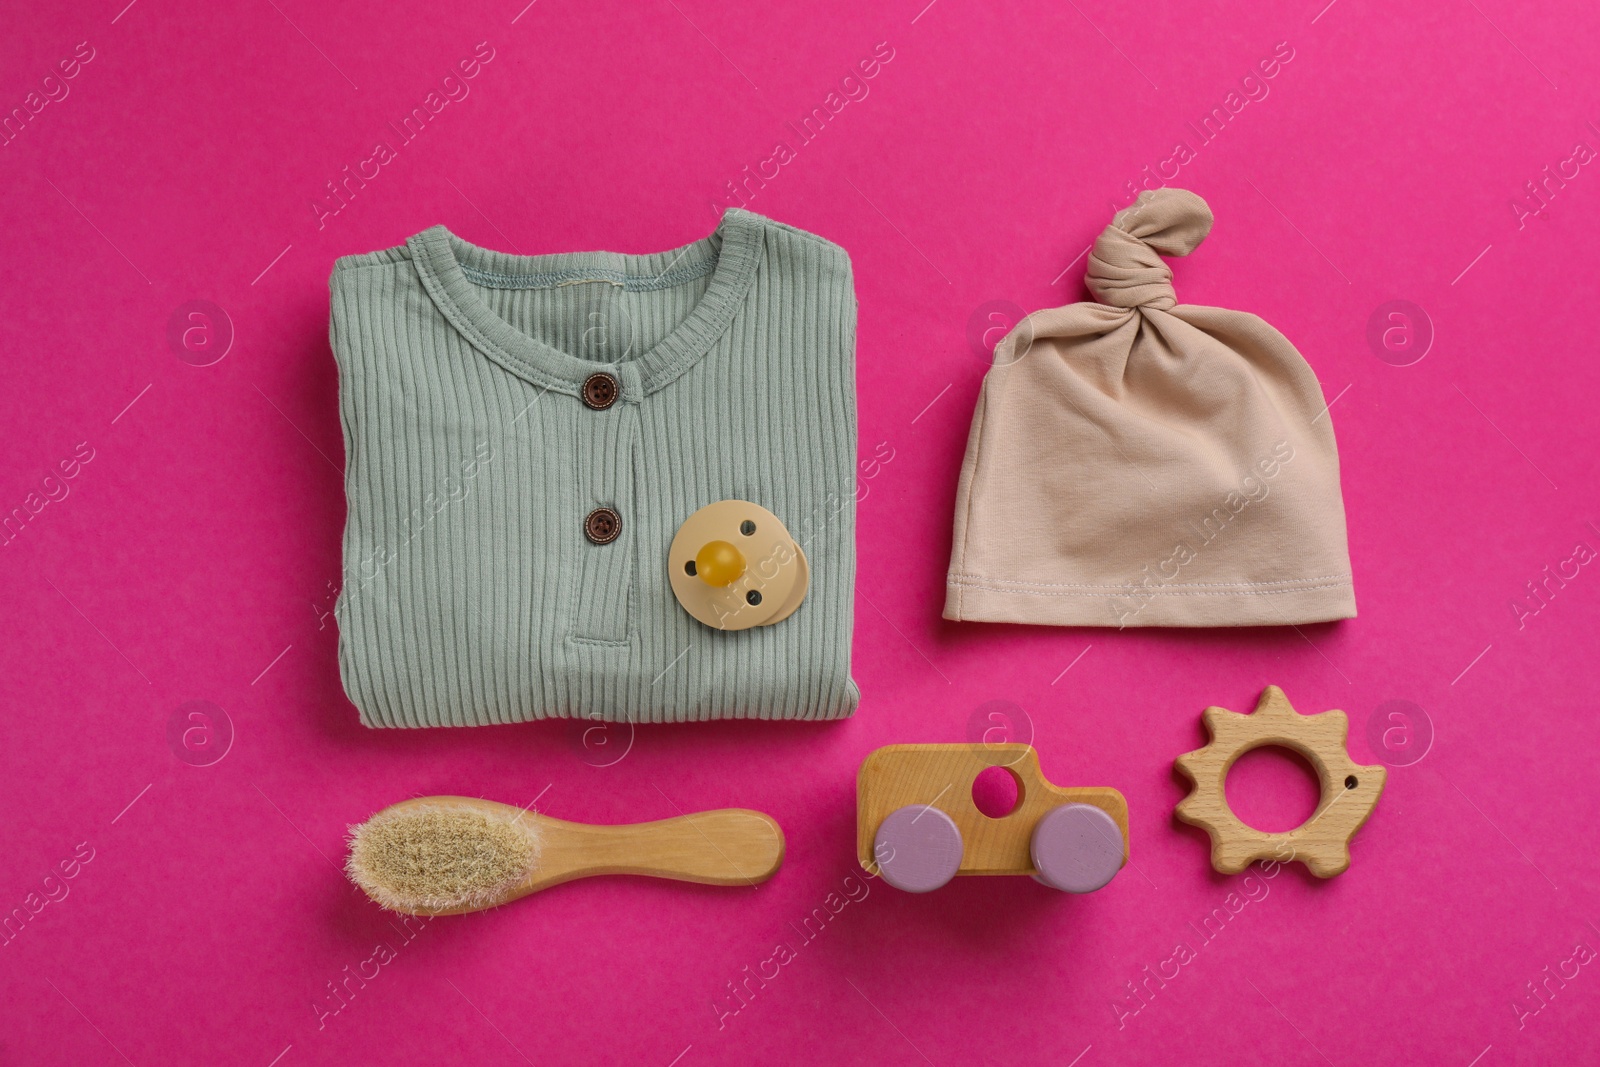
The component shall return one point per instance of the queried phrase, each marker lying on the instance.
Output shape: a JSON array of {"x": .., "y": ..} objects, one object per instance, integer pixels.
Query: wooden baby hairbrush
[{"x": 450, "y": 855}]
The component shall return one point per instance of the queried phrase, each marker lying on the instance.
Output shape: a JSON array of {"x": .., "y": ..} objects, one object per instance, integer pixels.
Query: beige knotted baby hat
[{"x": 1140, "y": 462}]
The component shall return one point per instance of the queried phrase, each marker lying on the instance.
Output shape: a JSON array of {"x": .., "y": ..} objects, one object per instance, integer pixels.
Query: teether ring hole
[{"x": 1272, "y": 788}]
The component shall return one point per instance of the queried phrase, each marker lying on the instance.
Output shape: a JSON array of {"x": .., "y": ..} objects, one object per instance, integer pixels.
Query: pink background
[{"x": 194, "y": 556}]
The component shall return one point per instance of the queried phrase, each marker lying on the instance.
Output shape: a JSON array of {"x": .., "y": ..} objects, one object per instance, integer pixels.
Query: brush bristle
[{"x": 436, "y": 858}]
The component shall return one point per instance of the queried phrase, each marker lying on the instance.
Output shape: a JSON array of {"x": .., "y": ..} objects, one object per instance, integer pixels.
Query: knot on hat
[{"x": 1125, "y": 267}]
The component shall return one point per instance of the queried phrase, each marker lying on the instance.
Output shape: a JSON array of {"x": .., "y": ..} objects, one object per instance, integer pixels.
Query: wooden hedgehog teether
[
  {"x": 1349, "y": 790},
  {"x": 917, "y": 825},
  {"x": 733, "y": 565}
]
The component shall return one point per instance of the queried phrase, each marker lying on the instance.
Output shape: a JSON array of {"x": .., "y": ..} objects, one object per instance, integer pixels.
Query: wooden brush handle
[{"x": 730, "y": 846}]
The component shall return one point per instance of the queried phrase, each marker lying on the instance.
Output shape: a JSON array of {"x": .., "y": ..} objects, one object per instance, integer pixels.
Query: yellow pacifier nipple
[{"x": 718, "y": 563}]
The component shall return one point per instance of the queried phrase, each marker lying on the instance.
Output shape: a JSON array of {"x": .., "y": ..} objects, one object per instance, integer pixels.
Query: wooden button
[
  {"x": 600, "y": 390},
  {"x": 602, "y": 526}
]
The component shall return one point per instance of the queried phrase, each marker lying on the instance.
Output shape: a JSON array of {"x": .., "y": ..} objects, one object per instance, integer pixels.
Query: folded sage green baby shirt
[{"x": 525, "y": 434}]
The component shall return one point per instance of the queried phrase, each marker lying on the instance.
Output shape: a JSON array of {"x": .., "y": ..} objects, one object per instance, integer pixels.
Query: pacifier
[{"x": 733, "y": 565}]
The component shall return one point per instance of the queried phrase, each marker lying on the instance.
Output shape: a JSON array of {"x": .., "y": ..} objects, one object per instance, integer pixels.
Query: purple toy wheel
[
  {"x": 917, "y": 848},
  {"x": 1077, "y": 848}
]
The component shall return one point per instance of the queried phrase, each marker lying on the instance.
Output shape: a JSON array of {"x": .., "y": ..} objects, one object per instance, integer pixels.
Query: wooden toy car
[{"x": 917, "y": 825}]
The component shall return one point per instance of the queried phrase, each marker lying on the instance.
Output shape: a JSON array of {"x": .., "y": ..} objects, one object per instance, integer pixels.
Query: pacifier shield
[{"x": 736, "y": 537}]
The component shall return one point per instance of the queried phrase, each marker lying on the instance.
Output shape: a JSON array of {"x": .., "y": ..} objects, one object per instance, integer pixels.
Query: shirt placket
[{"x": 603, "y": 611}]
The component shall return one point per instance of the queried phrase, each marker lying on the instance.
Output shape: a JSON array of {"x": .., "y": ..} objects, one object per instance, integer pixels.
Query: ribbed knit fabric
[{"x": 471, "y": 594}]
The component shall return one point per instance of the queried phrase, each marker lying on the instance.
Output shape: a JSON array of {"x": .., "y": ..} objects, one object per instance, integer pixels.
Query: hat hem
[{"x": 972, "y": 600}]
